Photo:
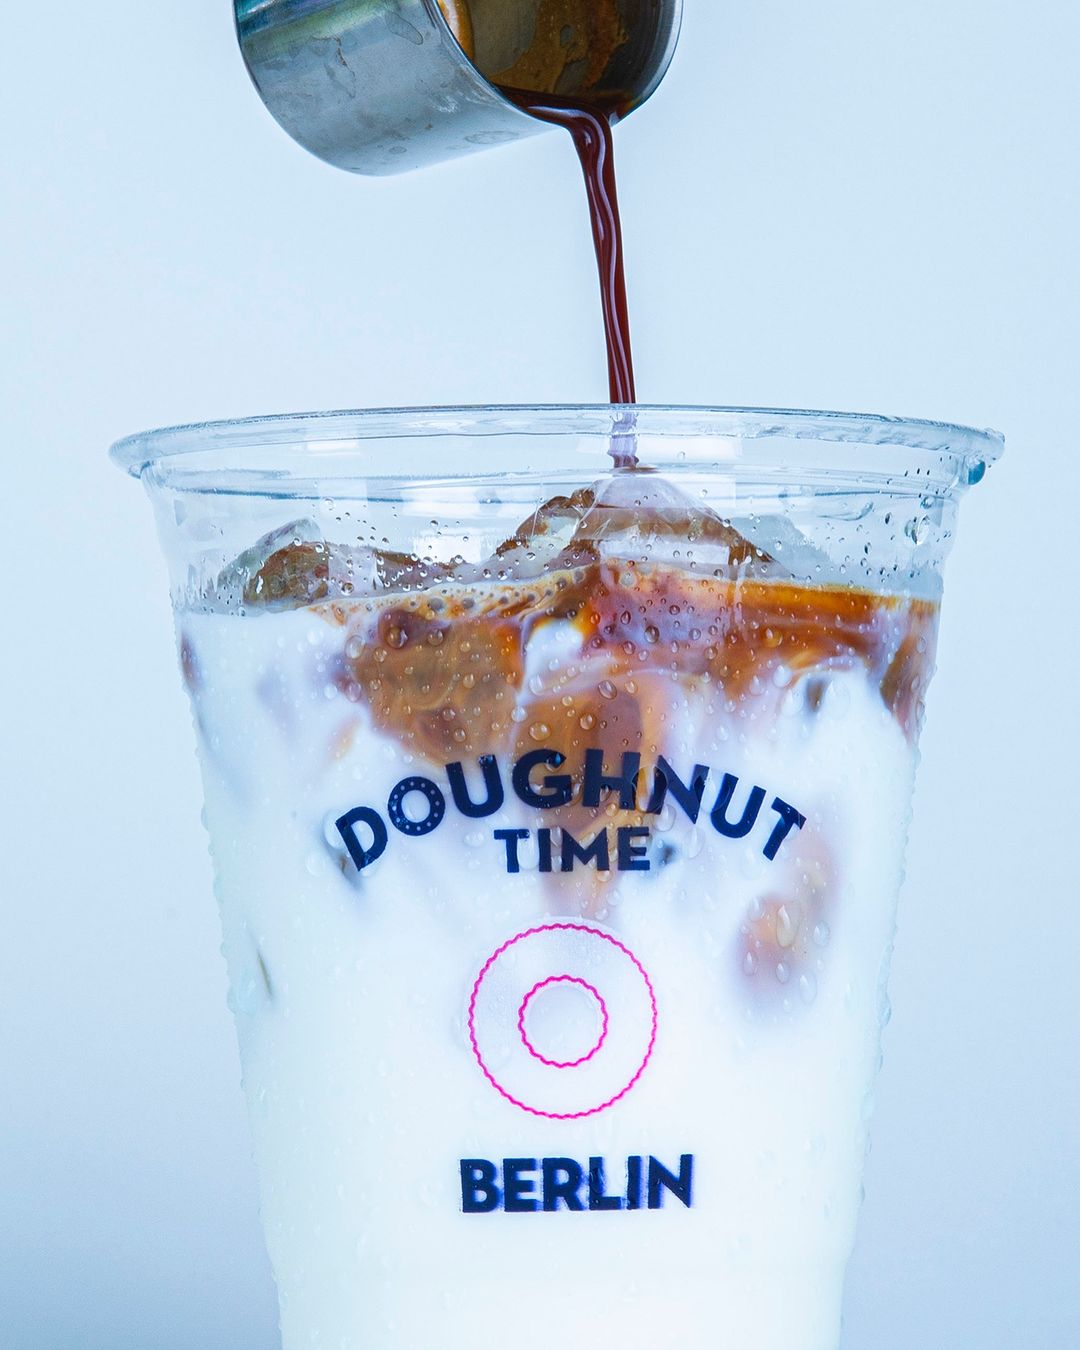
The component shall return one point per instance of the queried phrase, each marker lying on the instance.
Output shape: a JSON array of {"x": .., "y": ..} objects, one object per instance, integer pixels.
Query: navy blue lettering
[
  {"x": 790, "y": 819},
  {"x": 596, "y": 852},
  {"x": 741, "y": 828},
  {"x": 597, "y": 1198},
  {"x": 346, "y": 827},
  {"x": 667, "y": 780},
  {"x": 543, "y": 846},
  {"x": 529, "y": 1185},
  {"x": 681, "y": 1186},
  {"x": 562, "y": 1183},
  {"x": 632, "y": 856},
  {"x": 479, "y": 1193},
  {"x": 436, "y": 807},
  {"x": 559, "y": 788},
  {"x": 517, "y": 1188},
  {"x": 597, "y": 781},
  {"x": 492, "y": 786},
  {"x": 511, "y": 838},
  {"x": 633, "y": 1183}
]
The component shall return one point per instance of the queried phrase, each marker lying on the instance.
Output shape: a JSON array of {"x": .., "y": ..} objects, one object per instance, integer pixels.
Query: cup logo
[{"x": 563, "y": 1020}]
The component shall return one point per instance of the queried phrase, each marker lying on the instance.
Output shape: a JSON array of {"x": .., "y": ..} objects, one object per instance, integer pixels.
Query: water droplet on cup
[{"x": 917, "y": 529}]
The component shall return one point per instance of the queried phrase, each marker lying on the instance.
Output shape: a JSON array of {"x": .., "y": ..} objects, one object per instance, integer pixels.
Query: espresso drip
[{"x": 590, "y": 129}]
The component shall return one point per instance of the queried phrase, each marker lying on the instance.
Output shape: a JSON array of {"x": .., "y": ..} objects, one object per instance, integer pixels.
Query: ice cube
[
  {"x": 636, "y": 515},
  {"x": 230, "y": 589},
  {"x": 639, "y": 515},
  {"x": 441, "y": 677},
  {"x": 547, "y": 540},
  {"x": 794, "y": 553},
  {"x": 295, "y": 566}
]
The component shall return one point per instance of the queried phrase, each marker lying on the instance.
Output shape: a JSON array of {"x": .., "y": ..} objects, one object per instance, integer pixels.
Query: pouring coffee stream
[{"x": 591, "y": 130}]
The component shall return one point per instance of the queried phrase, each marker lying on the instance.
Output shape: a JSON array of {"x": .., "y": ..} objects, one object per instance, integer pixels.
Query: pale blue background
[{"x": 874, "y": 206}]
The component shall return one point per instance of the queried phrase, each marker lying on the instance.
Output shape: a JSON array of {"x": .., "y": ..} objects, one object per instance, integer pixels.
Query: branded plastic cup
[{"x": 558, "y": 814}]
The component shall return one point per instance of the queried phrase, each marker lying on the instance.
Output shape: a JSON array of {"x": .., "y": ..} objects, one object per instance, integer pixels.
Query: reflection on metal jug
[{"x": 382, "y": 86}]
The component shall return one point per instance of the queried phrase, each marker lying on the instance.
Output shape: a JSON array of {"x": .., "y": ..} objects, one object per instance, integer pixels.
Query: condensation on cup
[{"x": 558, "y": 816}]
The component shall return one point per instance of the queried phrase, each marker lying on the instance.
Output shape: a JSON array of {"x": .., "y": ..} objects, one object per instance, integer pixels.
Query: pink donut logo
[
  {"x": 600, "y": 979},
  {"x": 523, "y": 1011}
]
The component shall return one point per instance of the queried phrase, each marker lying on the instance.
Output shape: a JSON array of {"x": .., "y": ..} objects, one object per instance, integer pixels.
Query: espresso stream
[{"x": 591, "y": 131}]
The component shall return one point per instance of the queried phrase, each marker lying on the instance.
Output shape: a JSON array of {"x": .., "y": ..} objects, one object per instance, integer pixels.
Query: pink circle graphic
[
  {"x": 523, "y": 1011},
  {"x": 638, "y": 1068}
]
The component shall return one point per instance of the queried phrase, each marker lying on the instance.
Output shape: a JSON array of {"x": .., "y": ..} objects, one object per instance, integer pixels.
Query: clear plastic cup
[{"x": 558, "y": 814}]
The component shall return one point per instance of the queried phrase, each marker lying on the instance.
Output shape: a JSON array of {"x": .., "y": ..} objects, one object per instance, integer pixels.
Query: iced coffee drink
[{"x": 557, "y": 856}]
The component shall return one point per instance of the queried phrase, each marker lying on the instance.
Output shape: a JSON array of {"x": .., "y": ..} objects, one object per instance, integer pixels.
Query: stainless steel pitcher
[{"x": 382, "y": 86}]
